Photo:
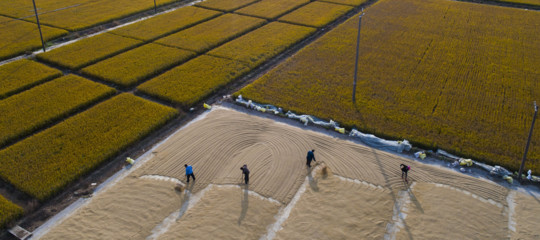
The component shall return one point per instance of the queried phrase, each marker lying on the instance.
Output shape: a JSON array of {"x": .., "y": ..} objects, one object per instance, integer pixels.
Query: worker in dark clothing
[
  {"x": 310, "y": 157},
  {"x": 404, "y": 170},
  {"x": 189, "y": 172},
  {"x": 245, "y": 171}
]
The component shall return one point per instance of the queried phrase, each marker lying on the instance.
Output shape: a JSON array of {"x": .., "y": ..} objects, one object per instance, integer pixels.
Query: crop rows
[
  {"x": 8, "y": 211},
  {"x": 131, "y": 67},
  {"x": 30, "y": 110},
  {"x": 316, "y": 14},
  {"x": 88, "y": 51},
  {"x": 271, "y": 9},
  {"x": 166, "y": 23},
  {"x": 17, "y": 36},
  {"x": 262, "y": 44},
  {"x": 44, "y": 163},
  {"x": 228, "y": 5},
  {"x": 20, "y": 75},
  {"x": 207, "y": 35},
  {"x": 450, "y": 75},
  {"x": 190, "y": 82}
]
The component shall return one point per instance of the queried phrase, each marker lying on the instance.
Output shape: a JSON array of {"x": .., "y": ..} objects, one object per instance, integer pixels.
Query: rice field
[
  {"x": 316, "y": 14},
  {"x": 346, "y": 2},
  {"x": 30, "y": 110},
  {"x": 20, "y": 75},
  {"x": 8, "y": 211},
  {"x": 41, "y": 165},
  {"x": 445, "y": 75},
  {"x": 225, "y": 5},
  {"x": 271, "y": 9},
  {"x": 136, "y": 65}
]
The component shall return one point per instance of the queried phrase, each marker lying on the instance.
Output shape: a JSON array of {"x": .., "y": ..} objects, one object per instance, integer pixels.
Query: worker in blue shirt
[
  {"x": 310, "y": 157},
  {"x": 189, "y": 172}
]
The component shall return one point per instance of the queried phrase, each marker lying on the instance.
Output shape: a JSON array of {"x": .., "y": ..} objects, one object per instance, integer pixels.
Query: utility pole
[
  {"x": 155, "y": 8},
  {"x": 39, "y": 26},
  {"x": 356, "y": 62},
  {"x": 528, "y": 142}
]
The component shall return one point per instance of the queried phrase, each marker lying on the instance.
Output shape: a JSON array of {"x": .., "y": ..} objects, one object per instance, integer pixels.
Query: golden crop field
[
  {"x": 44, "y": 163},
  {"x": 271, "y": 9},
  {"x": 17, "y": 36},
  {"x": 346, "y": 2},
  {"x": 529, "y": 2},
  {"x": 30, "y": 110},
  {"x": 207, "y": 35},
  {"x": 131, "y": 67},
  {"x": 257, "y": 46},
  {"x": 225, "y": 5},
  {"x": 166, "y": 23},
  {"x": 316, "y": 14},
  {"x": 457, "y": 76},
  {"x": 88, "y": 51},
  {"x": 20, "y": 75},
  {"x": 76, "y": 14},
  {"x": 8, "y": 211},
  {"x": 192, "y": 81}
]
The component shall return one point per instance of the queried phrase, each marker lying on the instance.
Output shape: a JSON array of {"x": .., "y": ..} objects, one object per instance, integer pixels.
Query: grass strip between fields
[
  {"x": 8, "y": 211},
  {"x": 20, "y": 75},
  {"x": 207, "y": 35},
  {"x": 30, "y": 110},
  {"x": 166, "y": 23},
  {"x": 88, "y": 51},
  {"x": 316, "y": 14},
  {"x": 131, "y": 67},
  {"x": 43, "y": 164},
  {"x": 258, "y": 46},
  {"x": 225, "y": 5},
  {"x": 442, "y": 74},
  {"x": 18, "y": 36},
  {"x": 271, "y": 9},
  {"x": 192, "y": 81}
]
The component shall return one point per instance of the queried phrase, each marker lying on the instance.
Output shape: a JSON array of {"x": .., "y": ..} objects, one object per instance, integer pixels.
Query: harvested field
[
  {"x": 194, "y": 80},
  {"x": 361, "y": 192},
  {"x": 207, "y": 35},
  {"x": 20, "y": 75},
  {"x": 316, "y": 14},
  {"x": 271, "y": 9},
  {"x": 88, "y": 51},
  {"x": 225, "y": 5},
  {"x": 131, "y": 67},
  {"x": 21, "y": 114},
  {"x": 263, "y": 43},
  {"x": 434, "y": 74},
  {"x": 19, "y": 36},
  {"x": 166, "y": 23},
  {"x": 44, "y": 163}
]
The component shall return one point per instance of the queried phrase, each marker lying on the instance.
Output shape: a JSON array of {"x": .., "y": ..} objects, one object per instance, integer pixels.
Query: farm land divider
[
  {"x": 424, "y": 77},
  {"x": 42, "y": 105},
  {"x": 21, "y": 75}
]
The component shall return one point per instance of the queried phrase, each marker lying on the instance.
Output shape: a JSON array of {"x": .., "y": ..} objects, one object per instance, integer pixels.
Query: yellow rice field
[
  {"x": 316, "y": 14},
  {"x": 20, "y": 75},
  {"x": 271, "y": 9}
]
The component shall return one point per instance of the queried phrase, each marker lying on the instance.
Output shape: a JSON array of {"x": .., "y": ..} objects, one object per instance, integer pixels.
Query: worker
[
  {"x": 245, "y": 171},
  {"x": 189, "y": 172},
  {"x": 404, "y": 170},
  {"x": 310, "y": 157}
]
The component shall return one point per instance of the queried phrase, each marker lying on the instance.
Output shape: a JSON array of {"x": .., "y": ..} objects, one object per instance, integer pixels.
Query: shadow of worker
[{"x": 244, "y": 204}]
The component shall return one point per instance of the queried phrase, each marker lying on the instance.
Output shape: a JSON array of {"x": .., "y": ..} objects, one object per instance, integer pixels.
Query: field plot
[
  {"x": 30, "y": 110},
  {"x": 23, "y": 74},
  {"x": 131, "y": 67},
  {"x": 76, "y": 14},
  {"x": 192, "y": 81},
  {"x": 44, "y": 163},
  {"x": 225, "y": 5},
  {"x": 167, "y": 23},
  {"x": 316, "y": 14},
  {"x": 346, "y": 2},
  {"x": 262, "y": 44},
  {"x": 271, "y": 9},
  {"x": 18, "y": 36},
  {"x": 8, "y": 211},
  {"x": 450, "y": 75},
  {"x": 207, "y": 35},
  {"x": 88, "y": 51}
]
